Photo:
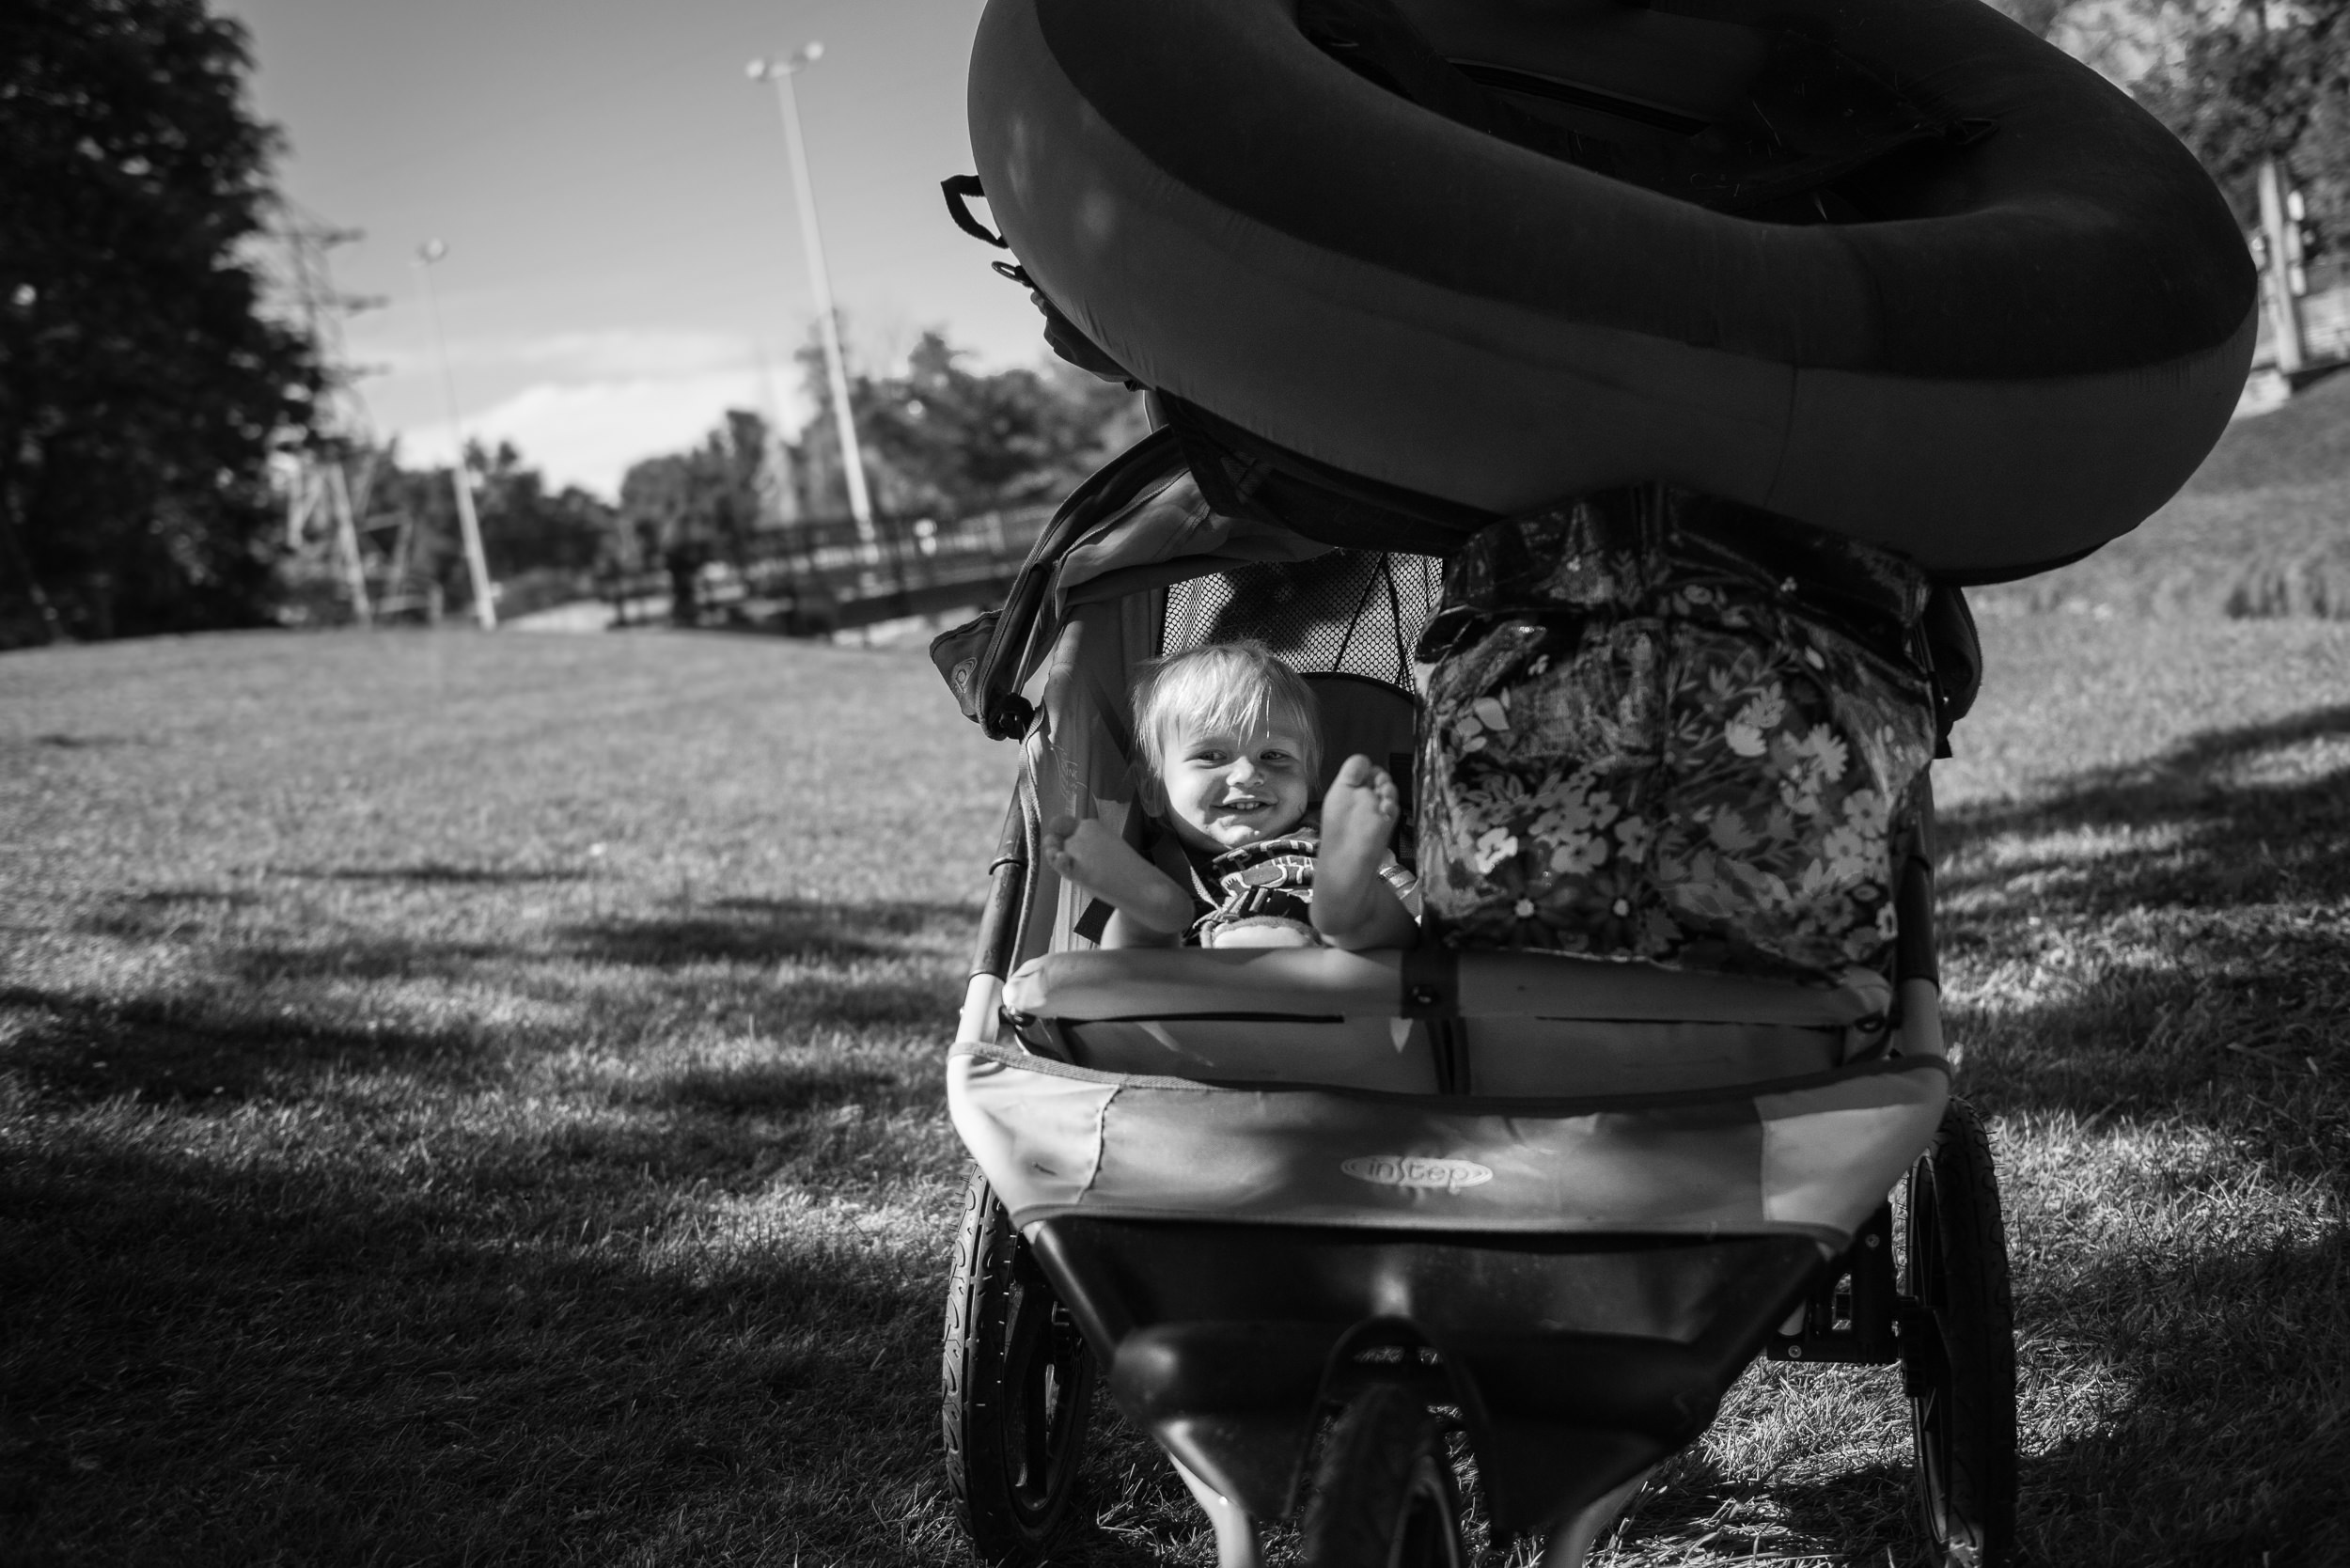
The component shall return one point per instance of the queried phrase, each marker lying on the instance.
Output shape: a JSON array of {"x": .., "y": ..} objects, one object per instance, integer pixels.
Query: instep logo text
[{"x": 1412, "y": 1171}]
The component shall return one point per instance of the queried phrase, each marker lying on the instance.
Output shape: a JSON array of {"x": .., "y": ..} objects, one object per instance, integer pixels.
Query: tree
[
  {"x": 701, "y": 505},
  {"x": 2241, "y": 91},
  {"x": 940, "y": 438},
  {"x": 965, "y": 442},
  {"x": 542, "y": 547},
  {"x": 2039, "y": 16},
  {"x": 525, "y": 529},
  {"x": 142, "y": 387}
]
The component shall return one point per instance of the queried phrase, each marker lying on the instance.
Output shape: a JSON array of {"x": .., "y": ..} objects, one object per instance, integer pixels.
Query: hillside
[
  {"x": 2307, "y": 442},
  {"x": 2262, "y": 529}
]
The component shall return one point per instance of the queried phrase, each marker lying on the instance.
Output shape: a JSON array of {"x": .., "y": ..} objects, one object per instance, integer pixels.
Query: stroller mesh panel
[{"x": 1348, "y": 612}]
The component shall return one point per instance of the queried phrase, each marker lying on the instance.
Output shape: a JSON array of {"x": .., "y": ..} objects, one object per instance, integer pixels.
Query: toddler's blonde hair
[{"x": 1222, "y": 685}]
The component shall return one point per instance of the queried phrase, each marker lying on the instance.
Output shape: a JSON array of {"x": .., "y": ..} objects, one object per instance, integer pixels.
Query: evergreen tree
[{"x": 142, "y": 388}]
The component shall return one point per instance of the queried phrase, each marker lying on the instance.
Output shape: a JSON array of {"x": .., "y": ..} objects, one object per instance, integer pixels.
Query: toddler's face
[{"x": 1227, "y": 788}]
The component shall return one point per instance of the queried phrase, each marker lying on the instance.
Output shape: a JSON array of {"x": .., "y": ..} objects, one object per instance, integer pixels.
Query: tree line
[
  {"x": 150, "y": 397},
  {"x": 940, "y": 440}
]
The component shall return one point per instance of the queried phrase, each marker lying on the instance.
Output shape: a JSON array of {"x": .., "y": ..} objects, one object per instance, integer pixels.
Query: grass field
[{"x": 477, "y": 1100}]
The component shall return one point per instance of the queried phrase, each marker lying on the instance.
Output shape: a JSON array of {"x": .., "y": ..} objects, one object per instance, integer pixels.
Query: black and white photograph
[{"x": 1175, "y": 783}]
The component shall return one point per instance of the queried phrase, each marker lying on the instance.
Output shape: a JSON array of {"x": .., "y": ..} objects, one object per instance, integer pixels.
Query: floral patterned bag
[{"x": 1664, "y": 726}]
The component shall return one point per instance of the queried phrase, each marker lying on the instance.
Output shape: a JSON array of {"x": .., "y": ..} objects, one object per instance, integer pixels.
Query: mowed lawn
[{"x": 477, "y": 1100}]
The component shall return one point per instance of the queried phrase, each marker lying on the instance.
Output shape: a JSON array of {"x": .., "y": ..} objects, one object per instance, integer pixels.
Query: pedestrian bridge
[{"x": 813, "y": 578}]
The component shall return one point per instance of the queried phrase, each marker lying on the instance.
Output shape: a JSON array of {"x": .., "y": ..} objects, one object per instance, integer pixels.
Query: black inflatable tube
[{"x": 2030, "y": 348}]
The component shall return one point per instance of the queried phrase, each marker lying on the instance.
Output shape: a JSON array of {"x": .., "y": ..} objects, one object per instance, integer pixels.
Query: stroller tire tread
[
  {"x": 1967, "y": 1485},
  {"x": 1384, "y": 1492},
  {"x": 1015, "y": 1487}
]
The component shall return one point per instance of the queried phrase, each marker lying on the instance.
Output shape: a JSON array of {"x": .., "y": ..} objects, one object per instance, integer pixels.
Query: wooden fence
[{"x": 806, "y": 579}]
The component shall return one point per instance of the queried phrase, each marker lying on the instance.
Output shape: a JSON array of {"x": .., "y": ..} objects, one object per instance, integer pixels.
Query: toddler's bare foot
[
  {"x": 1354, "y": 906},
  {"x": 1106, "y": 866}
]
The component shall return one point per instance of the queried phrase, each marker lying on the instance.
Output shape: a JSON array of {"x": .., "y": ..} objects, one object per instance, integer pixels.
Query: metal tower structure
[{"x": 326, "y": 502}]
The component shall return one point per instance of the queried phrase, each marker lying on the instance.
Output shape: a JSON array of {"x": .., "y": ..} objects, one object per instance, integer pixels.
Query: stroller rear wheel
[
  {"x": 1018, "y": 1380},
  {"x": 1957, "y": 1315},
  {"x": 1384, "y": 1494}
]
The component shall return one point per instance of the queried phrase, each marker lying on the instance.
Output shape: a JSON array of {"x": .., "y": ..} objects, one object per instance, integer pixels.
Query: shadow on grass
[
  {"x": 243, "y": 1019},
  {"x": 2220, "y": 833},
  {"x": 161, "y": 914},
  {"x": 1858, "y": 1517},
  {"x": 192, "y": 1048},
  {"x": 2160, "y": 950},
  {"x": 2237, "y": 1359},
  {"x": 174, "y": 897},
  {"x": 769, "y": 931},
  {"x": 2210, "y": 890},
  {"x": 246, "y": 1012},
  {"x": 213, "y": 1046},
  {"x": 2217, "y": 1435},
  {"x": 439, "y": 875},
  {"x": 491, "y": 1354},
  {"x": 772, "y": 1088}
]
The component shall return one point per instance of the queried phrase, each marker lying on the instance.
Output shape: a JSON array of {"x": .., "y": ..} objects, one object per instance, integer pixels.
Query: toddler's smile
[{"x": 1230, "y": 787}]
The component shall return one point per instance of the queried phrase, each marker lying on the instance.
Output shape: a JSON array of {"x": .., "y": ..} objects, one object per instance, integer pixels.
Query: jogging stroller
[{"x": 1308, "y": 1210}]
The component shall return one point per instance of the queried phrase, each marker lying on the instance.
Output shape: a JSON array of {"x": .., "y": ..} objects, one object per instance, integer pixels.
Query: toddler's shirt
[{"x": 1267, "y": 887}]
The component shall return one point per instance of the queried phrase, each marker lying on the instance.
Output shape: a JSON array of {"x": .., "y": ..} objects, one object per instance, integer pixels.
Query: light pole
[
  {"x": 476, "y": 565},
  {"x": 827, "y": 325}
]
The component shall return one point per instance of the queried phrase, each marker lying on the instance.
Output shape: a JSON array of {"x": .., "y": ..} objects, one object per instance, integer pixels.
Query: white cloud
[
  {"x": 587, "y": 432},
  {"x": 611, "y": 352},
  {"x": 625, "y": 353}
]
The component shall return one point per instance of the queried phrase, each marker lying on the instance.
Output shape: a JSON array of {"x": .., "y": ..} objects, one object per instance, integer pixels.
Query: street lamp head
[
  {"x": 432, "y": 251},
  {"x": 776, "y": 70}
]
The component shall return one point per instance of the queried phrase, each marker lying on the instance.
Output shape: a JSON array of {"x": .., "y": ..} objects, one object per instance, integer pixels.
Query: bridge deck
[{"x": 816, "y": 578}]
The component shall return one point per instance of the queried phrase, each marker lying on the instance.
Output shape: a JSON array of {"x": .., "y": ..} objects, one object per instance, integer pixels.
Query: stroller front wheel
[
  {"x": 1018, "y": 1387},
  {"x": 1957, "y": 1318},
  {"x": 1384, "y": 1494}
]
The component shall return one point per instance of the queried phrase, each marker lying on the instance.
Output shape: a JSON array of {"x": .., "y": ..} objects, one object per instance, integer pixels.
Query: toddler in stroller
[
  {"x": 1231, "y": 743},
  {"x": 1308, "y": 1211}
]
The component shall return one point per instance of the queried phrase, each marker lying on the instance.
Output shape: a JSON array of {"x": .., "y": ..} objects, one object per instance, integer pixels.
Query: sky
[{"x": 624, "y": 261}]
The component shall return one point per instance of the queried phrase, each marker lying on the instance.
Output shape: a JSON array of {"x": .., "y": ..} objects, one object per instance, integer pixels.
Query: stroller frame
[{"x": 1233, "y": 1335}]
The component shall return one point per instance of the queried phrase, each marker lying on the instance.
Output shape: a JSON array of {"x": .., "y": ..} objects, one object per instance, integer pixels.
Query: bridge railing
[{"x": 825, "y": 574}]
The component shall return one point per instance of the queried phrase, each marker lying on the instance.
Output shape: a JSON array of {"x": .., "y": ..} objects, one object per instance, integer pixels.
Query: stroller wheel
[
  {"x": 1384, "y": 1494},
  {"x": 1018, "y": 1388},
  {"x": 1957, "y": 1315}
]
